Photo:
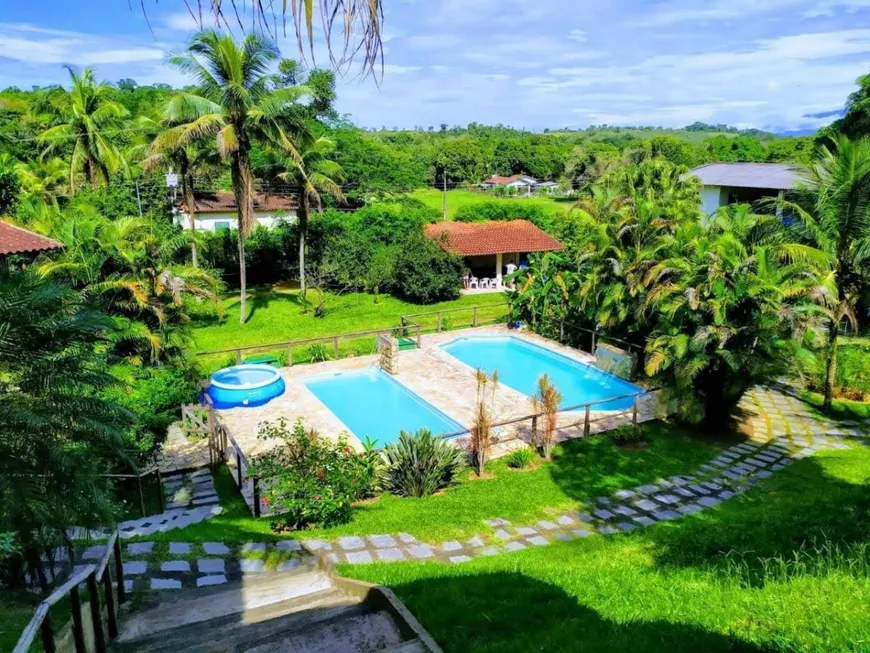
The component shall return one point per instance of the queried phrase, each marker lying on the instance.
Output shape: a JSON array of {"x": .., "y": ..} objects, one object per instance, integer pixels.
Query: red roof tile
[
  {"x": 486, "y": 238},
  {"x": 223, "y": 201},
  {"x": 15, "y": 240},
  {"x": 495, "y": 179}
]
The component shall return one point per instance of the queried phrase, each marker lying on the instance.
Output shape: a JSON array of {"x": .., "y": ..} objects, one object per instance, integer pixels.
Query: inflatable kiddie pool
[{"x": 245, "y": 385}]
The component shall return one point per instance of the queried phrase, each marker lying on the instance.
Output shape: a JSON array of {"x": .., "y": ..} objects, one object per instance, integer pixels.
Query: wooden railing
[
  {"x": 148, "y": 472},
  {"x": 93, "y": 576},
  {"x": 415, "y": 320}
]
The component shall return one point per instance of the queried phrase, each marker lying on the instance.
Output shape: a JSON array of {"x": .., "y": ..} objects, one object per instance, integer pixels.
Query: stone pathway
[
  {"x": 190, "y": 490},
  {"x": 783, "y": 430}
]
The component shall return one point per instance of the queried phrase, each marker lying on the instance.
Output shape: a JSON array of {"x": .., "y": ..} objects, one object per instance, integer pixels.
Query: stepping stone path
[{"x": 783, "y": 430}]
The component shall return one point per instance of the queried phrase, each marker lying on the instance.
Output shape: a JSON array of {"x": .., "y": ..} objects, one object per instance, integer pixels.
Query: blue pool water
[
  {"x": 520, "y": 364},
  {"x": 372, "y": 404}
]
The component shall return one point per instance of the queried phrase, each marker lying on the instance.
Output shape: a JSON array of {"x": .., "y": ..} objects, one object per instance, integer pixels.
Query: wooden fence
[{"x": 94, "y": 576}]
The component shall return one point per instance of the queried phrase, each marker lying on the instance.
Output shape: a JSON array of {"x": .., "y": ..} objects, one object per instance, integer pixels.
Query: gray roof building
[{"x": 774, "y": 176}]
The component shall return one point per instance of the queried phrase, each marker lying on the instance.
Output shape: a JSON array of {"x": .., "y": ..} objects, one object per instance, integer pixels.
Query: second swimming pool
[
  {"x": 520, "y": 364},
  {"x": 372, "y": 404}
]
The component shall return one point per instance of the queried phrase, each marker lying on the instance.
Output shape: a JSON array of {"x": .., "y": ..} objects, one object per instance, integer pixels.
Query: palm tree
[
  {"x": 312, "y": 173},
  {"x": 235, "y": 102},
  {"x": 84, "y": 118},
  {"x": 191, "y": 160},
  {"x": 58, "y": 431},
  {"x": 838, "y": 223},
  {"x": 42, "y": 178},
  {"x": 730, "y": 304}
]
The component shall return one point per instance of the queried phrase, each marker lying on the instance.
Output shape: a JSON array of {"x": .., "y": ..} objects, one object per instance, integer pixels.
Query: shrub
[
  {"x": 318, "y": 353},
  {"x": 421, "y": 464},
  {"x": 629, "y": 435},
  {"x": 424, "y": 273},
  {"x": 481, "y": 431},
  {"x": 507, "y": 209},
  {"x": 521, "y": 458},
  {"x": 547, "y": 401},
  {"x": 155, "y": 396},
  {"x": 311, "y": 480}
]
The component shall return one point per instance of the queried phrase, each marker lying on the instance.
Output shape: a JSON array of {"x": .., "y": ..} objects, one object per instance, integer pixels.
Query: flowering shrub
[{"x": 308, "y": 480}]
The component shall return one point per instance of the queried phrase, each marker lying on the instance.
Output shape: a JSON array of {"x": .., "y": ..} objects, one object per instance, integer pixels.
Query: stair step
[
  {"x": 368, "y": 632},
  {"x": 237, "y": 632},
  {"x": 224, "y": 601}
]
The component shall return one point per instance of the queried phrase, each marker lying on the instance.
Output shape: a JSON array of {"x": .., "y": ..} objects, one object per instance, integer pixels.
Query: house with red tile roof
[
  {"x": 492, "y": 249},
  {"x": 218, "y": 210},
  {"x": 16, "y": 240}
]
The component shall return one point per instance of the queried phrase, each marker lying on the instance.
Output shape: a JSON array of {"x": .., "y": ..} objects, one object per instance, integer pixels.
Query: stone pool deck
[{"x": 432, "y": 374}]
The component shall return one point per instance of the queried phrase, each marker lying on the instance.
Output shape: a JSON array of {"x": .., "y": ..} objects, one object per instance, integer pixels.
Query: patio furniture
[{"x": 473, "y": 282}]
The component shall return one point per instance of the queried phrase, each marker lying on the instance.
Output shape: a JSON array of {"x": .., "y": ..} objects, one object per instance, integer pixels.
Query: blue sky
[{"x": 772, "y": 64}]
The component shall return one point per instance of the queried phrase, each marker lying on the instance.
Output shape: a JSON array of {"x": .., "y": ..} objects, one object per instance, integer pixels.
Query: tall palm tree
[
  {"x": 312, "y": 173},
  {"x": 166, "y": 150},
  {"x": 838, "y": 223},
  {"x": 84, "y": 117},
  {"x": 236, "y": 102},
  {"x": 42, "y": 178}
]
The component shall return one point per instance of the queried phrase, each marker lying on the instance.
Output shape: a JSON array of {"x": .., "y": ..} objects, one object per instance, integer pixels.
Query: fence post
[
  {"x": 119, "y": 571},
  {"x": 238, "y": 356},
  {"x": 335, "y": 347},
  {"x": 110, "y": 603},
  {"x": 256, "y": 496},
  {"x": 439, "y": 321},
  {"x": 96, "y": 613},
  {"x": 593, "y": 344},
  {"x": 634, "y": 411},
  {"x": 561, "y": 330},
  {"x": 289, "y": 355},
  {"x": 419, "y": 337},
  {"x": 586, "y": 424},
  {"x": 47, "y": 631},
  {"x": 78, "y": 628},
  {"x": 141, "y": 494},
  {"x": 160, "y": 496},
  {"x": 239, "y": 468},
  {"x": 474, "y": 319}
]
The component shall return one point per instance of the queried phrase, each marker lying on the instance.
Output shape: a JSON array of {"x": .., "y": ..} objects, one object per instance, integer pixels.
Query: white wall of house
[
  {"x": 217, "y": 221},
  {"x": 712, "y": 197}
]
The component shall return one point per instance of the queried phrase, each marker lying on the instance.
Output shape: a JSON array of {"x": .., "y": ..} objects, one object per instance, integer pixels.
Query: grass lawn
[
  {"x": 580, "y": 470},
  {"x": 840, "y": 408},
  {"x": 275, "y": 315},
  {"x": 697, "y": 584},
  {"x": 458, "y": 198}
]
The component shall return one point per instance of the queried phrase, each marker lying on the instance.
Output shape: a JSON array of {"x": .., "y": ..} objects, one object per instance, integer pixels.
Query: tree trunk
[
  {"x": 303, "y": 230},
  {"x": 190, "y": 203},
  {"x": 831, "y": 372},
  {"x": 243, "y": 190}
]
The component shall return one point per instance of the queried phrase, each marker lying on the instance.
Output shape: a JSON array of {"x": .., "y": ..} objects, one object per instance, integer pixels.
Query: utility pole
[{"x": 444, "y": 202}]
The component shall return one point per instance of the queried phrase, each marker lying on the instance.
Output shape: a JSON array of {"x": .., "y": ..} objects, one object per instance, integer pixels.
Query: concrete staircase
[{"x": 309, "y": 609}]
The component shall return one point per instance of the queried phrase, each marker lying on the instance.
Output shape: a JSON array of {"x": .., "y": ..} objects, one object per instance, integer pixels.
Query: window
[{"x": 220, "y": 226}]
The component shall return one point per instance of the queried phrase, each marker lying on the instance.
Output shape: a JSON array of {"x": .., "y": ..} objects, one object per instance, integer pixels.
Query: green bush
[
  {"x": 522, "y": 458},
  {"x": 507, "y": 209},
  {"x": 309, "y": 480},
  {"x": 318, "y": 353},
  {"x": 421, "y": 464},
  {"x": 424, "y": 273},
  {"x": 852, "y": 380},
  {"x": 155, "y": 396},
  {"x": 629, "y": 435}
]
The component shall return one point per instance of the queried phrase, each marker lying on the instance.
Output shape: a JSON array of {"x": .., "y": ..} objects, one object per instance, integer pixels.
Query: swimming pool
[
  {"x": 372, "y": 404},
  {"x": 520, "y": 364}
]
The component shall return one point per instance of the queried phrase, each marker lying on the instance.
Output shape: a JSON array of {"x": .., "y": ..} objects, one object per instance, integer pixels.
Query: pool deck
[{"x": 431, "y": 373}]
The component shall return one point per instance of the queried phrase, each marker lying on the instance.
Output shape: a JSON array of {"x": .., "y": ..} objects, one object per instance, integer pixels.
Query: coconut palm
[
  {"x": 312, "y": 173},
  {"x": 42, "y": 178},
  {"x": 83, "y": 118},
  {"x": 235, "y": 101},
  {"x": 838, "y": 223},
  {"x": 165, "y": 150}
]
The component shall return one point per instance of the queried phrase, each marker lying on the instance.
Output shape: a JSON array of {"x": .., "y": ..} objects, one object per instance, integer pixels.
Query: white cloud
[
  {"x": 578, "y": 35},
  {"x": 393, "y": 69},
  {"x": 182, "y": 21}
]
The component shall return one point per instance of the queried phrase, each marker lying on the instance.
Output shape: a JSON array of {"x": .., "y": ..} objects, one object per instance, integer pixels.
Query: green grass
[
  {"x": 840, "y": 408},
  {"x": 697, "y": 584},
  {"x": 580, "y": 470},
  {"x": 276, "y": 315},
  {"x": 458, "y": 198},
  {"x": 17, "y": 608}
]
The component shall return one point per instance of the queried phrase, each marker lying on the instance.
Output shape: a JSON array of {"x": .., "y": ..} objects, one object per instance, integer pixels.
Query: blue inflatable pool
[{"x": 245, "y": 385}]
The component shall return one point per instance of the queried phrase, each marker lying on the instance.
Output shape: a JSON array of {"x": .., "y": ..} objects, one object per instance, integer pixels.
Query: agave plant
[{"x": 421, "y": 464}]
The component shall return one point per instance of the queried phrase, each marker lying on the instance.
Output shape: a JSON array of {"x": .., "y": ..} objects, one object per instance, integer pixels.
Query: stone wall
[{"x": 388, "y": 350}]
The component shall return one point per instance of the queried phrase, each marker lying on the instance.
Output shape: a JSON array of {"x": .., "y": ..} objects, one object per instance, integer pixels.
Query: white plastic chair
[{"x": 473, "y": 283}]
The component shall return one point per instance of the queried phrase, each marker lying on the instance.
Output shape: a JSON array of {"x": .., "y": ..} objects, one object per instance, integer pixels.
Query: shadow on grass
[
  {"x": 513, "y": 612},
  {"x": 817, "y": 499},
  {"x": 585, "y": 469}
]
